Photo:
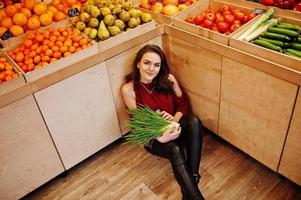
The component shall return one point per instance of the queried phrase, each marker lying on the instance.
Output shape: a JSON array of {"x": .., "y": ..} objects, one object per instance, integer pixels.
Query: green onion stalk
[{"x": 146, "y": 124}]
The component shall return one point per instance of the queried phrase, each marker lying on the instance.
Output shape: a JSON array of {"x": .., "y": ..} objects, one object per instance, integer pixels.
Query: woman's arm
[{"x": 128, "y": 94}]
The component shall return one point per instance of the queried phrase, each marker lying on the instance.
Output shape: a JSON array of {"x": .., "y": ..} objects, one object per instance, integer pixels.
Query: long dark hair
[{"x": 161, "y": 81}]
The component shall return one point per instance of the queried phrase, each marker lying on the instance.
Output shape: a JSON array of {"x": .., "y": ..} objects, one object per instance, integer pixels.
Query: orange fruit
[
  {"x": 52, "y": 9},
  {"x": 2, "y": 60},
  {"x": 37, "y": 59},
  {"x": 2, "y": 30},
  {"x": 7, "y": 22},
  {"x": 57, "y": 54},
  {"x": 72, "y": 49},
  {"x": 63, "y": 49},
  {"x": 59, "y": 16},
  {"x": 19, "y": 57},
  {"x": 16, "y": 30},
  {"x": 2, "y": 13},
  {"x": 55, "y": 2},
  {"x": 28, "y": 43},
  {"x": 40, "y": 8},
  {"x": 30, "y": 36},
  {"x": 26, "y": 12},
  {"x": 29, "y": 4},
  {"x": 33, "y": 23},
  {"x": 70, "y": 2},
  {"x": 20, "y": 19},
  {"x": 11, "y": 10},
  {"x": 39, "y": 37},
  {"x": 55, "y": 48},
  {"x": 45, "y": 19},
  {"x": 32, "y": 54},
  {"x": 49, "y": 52},
  {"x": 60, "y": 7},
  {"x": 18, "y": 6},
  {"x": 67, "y": 53}
]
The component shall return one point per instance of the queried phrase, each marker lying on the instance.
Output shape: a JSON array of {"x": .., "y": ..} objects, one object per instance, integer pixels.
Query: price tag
[
  {"x": 6, "y": 35},
  {"x": 73, "y": 12},
  {"x": 258, "y": 11}
]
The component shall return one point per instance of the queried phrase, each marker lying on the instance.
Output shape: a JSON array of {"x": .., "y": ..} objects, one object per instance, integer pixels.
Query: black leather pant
[{"x": 184, "y": 154}]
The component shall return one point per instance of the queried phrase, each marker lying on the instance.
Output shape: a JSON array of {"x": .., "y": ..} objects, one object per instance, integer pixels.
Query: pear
[
  {"x": 87, "y": 30},
  {"x": 103, "y": 32},
  {"x": 146, "y": 17},
  {"x": 80, "y": 26},
  {"x": 95, "y": 12},
  {"x": 132, "y": 23},
  {"x": 74, "y": 20},
  {"x": 109, "y": 20},
  {"x": 138, "y": 21},
  {"x": 105, "y": 11},
  {"x": 135, "y": 13},
  {"x": 119, "y": 23},
  {"x": 114, "y": 30},
  {"x": 112, "y": 6},
  {"x": 93, "y": 33},
  {"x": 127, "y": 5},
  {"x": 84, "y": 17},
  {"x": 117, "y": 10},
  {"x": 93, "y": 22},
  {"x": 124, "y": 16}
]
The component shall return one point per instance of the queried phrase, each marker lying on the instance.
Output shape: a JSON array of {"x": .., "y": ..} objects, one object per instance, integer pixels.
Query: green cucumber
[
  {"x": 275, "y": 42},
  {"x": 283, "y": 31},
  {"x": 289, "y": 26},
  {"x": 290, "y": 54},
  {"x": 295, "y": 52},
  {"x": 275, "y": 36},
  {"x": 268, "y": 45},
  {"x": 296, "y": 46}
]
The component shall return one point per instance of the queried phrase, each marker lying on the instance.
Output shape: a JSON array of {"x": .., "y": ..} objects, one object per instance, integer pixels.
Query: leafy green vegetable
[{"x": 146, "y": 124}]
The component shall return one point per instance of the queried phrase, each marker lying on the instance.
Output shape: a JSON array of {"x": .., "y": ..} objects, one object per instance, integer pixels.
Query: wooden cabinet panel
[
  {"x": 255, "y": 110},
  {"x": 290, "y": 164},
  {"x": 118, "y": 67},
  {"x": 28, "y": 157},
  {"x": 199, "y": 71},
  {"x": 80, "y": 114}
]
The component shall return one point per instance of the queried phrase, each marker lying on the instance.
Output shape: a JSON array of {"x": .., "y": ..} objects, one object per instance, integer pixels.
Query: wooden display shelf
[
  {"x": 274, "y": 56},
  {"x": 112, "y": 41},
  {"x": 200, "y": 8},
  {"x": 14, "y": 83}
]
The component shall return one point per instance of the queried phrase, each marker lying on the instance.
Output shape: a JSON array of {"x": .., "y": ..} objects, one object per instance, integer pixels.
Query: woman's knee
[
  {"x": 194, "y": 122},
  {"x": 176, "y": 153}
]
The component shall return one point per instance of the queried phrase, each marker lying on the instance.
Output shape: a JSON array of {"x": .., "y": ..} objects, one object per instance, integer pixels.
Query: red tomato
[
  {"x": 215, "y": 29},
  {"x": 210, "y": 16},
  {"x": 297, "y": 7},
  {"x": 267, "y": 2},
  {"x": 207, "y": 24},
  {"x": 210, "y": 11},
  {"x": 227, "y": 12},
  {"x": 190, "y": 20},
  {"x": 219, "y": 18},
  {"x": 234, "y": 27},
  {"x": 222, "y": 27},
  {"x": 250, "y": 16},
  {"x": 198, "y": 20},
  {"x": 229, "y": 19},
  {"x": 225, "y": 8},
  {"x": 240, "y": 16},
  {"x": 237, "y": 22}
]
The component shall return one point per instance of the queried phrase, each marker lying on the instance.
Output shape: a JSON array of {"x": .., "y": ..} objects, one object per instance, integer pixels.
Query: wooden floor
[{"x": 127, "y": 172}]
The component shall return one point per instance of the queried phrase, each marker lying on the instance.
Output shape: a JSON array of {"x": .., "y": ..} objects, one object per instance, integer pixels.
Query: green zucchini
[
  {"x": 275, "y": 42},
  {"x": 296, "y": 46},
  {"x": 289, "y": 26},
  {"x": 295, "y": 52},
  {"x": 283, "y": 31},
  {"x": 268, "y": 45},
  {"x": 275, "y": 36}
]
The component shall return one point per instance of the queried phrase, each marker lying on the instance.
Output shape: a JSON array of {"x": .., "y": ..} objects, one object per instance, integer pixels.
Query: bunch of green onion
[{"x": 146, "y": 124}]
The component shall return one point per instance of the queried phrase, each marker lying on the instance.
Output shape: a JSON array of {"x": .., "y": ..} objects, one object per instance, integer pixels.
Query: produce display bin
[
  {"x": 112, "y": 41},
  {"x": 200, "y": 8},
  {"x": 274, "y": 56},
  {"x": 160, "y": 18},
  {"x": 14, "y": 83},
  {"x": 57, "y": 65}
]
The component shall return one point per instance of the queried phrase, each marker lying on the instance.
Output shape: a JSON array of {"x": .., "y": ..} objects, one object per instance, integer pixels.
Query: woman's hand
[
  {"x": 165, "y": 115},
  {"x": 170, "y": 134},
  {"x": 176, "y": 86}
]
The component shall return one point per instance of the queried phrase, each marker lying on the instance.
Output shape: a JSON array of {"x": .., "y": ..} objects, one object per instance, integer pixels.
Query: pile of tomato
[{"x": 225, "y": 20}]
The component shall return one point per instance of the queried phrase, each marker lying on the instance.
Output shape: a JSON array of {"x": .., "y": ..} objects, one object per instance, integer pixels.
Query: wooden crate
[
  {"x": 14, "y": 83},
  {"x": 112, "y": 41},
  {"x": 200, "y": 8},
  {"x": 274, "y": 56},
  {"x": 57, "y": 65},
  {"x": 160, "y": 18}
]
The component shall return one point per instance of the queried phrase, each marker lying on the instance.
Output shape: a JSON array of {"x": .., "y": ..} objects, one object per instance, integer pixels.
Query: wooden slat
[
  {"x": 290, "y": 165},
  {"x": 250, "y": 106}
]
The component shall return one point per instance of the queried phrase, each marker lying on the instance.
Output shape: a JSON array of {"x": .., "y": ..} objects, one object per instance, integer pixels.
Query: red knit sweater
[{"x": 164, "y": 102}]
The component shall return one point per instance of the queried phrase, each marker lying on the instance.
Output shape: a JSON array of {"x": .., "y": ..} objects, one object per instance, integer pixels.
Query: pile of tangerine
[
  {"x": 43, "y": 47},
  {"x": 6, "y": 70}
]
